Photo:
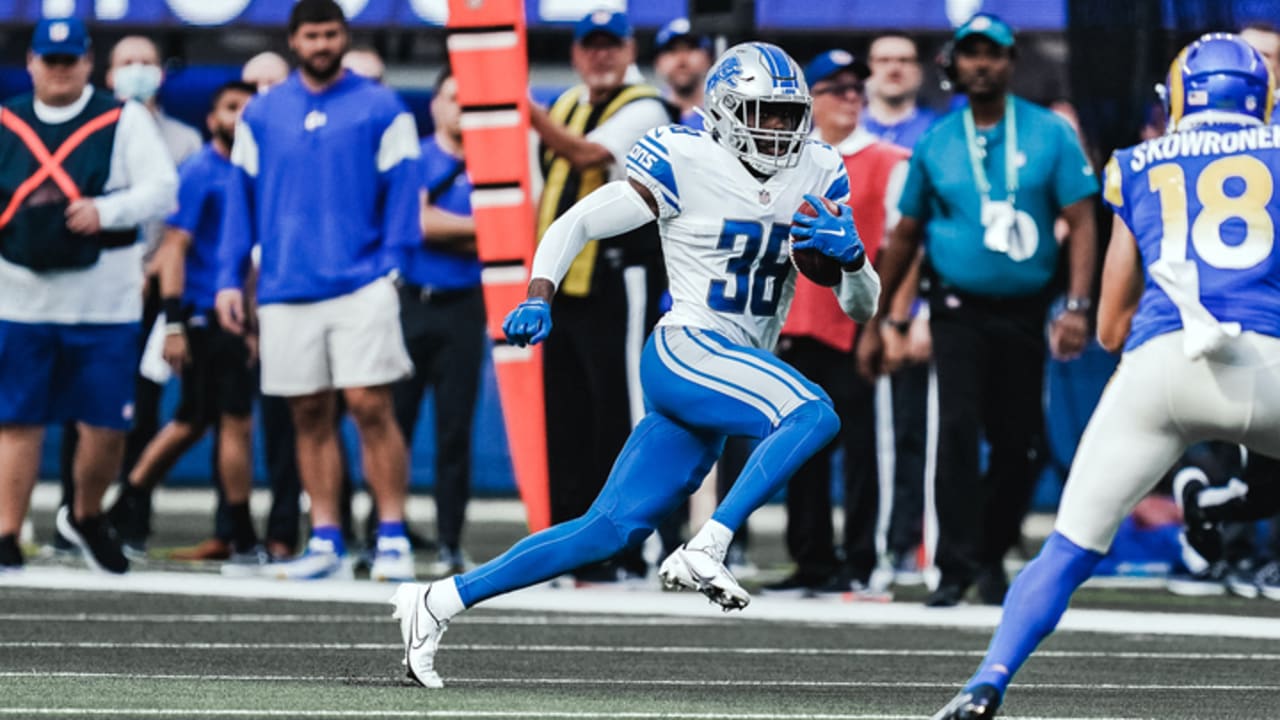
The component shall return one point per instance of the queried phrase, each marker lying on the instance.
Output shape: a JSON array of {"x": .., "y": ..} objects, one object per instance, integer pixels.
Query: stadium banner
[
  {"x": 916, "y": 15},
  {"x": 362, "y": 13}
]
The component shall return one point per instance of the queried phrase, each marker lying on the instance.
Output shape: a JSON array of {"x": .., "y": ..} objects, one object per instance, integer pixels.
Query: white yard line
[
  {"x": 633, "y": 682},
  {"x": 650, "y": 603},
  {"x": 636, "y": 650},
  {"x": 515, "y": 714}
]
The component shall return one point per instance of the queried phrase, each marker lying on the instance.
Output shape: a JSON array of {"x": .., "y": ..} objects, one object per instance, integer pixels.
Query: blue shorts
[{"x": 54, "y": 373}]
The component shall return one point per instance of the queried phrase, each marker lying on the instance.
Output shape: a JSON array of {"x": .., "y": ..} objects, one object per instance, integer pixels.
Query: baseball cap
[
  {"x": 678, "y": 29},
  {"x": 610, "y": 22},
  {"x": 988, "y": 26},
  {"x": 60, "y": 36},
  {"x": 831, "y": 62}
]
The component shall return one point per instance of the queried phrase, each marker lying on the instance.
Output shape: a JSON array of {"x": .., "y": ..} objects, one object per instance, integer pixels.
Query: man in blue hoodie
[{"x": 325, "y": 183}]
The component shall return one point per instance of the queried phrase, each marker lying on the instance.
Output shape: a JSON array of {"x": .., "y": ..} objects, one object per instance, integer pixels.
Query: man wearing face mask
[
  {"x": 134, "y": 74},
  {"x": 984, "y": 187},
  {"x": 609, "y": 299}
]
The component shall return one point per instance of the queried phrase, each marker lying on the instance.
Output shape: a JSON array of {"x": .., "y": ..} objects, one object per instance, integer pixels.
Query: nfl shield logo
[{"x": 764, "y": 197}]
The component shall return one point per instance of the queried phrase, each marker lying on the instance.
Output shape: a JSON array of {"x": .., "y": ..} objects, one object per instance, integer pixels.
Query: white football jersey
[{"x": 724, "y": 231}]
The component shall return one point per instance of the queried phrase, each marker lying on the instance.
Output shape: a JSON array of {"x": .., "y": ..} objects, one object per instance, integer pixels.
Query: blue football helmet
[
  {"x": 1219, "y": 77},
  {"x": 751, "y": 82}
]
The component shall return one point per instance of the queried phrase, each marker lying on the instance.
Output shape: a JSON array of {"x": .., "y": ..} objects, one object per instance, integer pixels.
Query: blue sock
[
  {"x": 1035, "y": 603},
  {"x": 333, "y": 534},
  {"x": 795, "y": 440},
  {"x": 395, "y": 529},
  {"x": 659, "y": 466}
]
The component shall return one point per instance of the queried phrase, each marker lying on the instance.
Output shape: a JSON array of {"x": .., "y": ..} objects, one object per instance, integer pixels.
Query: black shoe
[
  {"x": 10, "y": 553},
  {"x": 947, "y": 595},
  {"x": 800, "y": 582},
  {"x": 130, "y": 516},
  {"x": 993, "y": 584},
  {"x": 96, "y": 539},
  {"x": 1209, "y": 582},
  {"x": 976, "y": 703}
]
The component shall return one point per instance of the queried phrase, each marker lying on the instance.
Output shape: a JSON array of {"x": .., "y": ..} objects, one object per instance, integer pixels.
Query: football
[{"x": 821, "y": 269}]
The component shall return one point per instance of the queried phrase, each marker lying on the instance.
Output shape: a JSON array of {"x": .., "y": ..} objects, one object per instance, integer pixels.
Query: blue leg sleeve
[
  {"x": 660, "y": 465},
  {"x": 801, "y": 434},
  {"x": 1035, "y": 603}
]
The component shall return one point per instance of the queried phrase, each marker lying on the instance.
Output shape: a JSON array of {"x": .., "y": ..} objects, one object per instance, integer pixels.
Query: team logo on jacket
[{"x": 315, "y": 120}]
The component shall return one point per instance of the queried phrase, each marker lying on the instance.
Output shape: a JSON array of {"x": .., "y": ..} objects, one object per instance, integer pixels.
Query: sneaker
[
  {"x": 209, "y": 549},
  {"x": 906, "y": 570},
  {"x": 449, "y": 560},
  {"x": 10, "y": 554},
  {"x": 800, "y": 583},
  {"x": 96, "y": 539},
  {"x": 319, "y": 562},
  {"x": 1208, "y": 582},
  {"x": 421, "y": 633},
  {"x": 696, "y": 569},
  {"x": 251, "y": 563},
  {"x": 1268, "y": 580},
  {"x": 393, "y": 560},
  {"x": 1242, "y": 579},
  {"x": 976, "y": 703}
]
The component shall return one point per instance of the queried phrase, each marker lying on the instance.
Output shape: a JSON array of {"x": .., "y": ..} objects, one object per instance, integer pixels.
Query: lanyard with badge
[{"x": 1006, "y": 230}]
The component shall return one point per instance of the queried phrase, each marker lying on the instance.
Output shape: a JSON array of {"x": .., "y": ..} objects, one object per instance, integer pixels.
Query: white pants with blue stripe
[{"x": 699, "y": 389}]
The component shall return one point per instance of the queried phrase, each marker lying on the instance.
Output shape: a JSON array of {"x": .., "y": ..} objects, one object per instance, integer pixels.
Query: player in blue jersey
[
  {"x": 215, "y": 365},
  {"x": 325, "y": 181},
  {"x": 724, "y": 203},
  {"x": 1191, "y": 291}
]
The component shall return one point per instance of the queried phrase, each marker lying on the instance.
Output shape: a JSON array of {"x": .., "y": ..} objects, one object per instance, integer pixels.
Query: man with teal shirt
[{"x": 985, "y": 186}]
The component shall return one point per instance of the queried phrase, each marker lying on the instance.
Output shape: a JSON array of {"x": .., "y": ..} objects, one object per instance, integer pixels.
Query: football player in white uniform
[{"x": 724, "y": 202}]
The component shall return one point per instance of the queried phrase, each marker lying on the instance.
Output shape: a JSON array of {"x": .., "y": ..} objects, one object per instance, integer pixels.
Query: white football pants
[{"x": 1157, "y": 404}]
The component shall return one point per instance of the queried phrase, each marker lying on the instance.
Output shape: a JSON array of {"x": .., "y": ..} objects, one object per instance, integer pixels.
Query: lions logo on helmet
[
  {"x": 758, "y": 106},
  {"x": 1218, "y": 78}
]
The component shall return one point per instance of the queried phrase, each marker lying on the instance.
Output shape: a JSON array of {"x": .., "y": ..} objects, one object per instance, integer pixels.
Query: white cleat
[
  {"x": 392, "y": 561},
  {"x": 421, "y": 632},
  {"x": 319, "y": 562},
  {"x": 695, "y": 569}
]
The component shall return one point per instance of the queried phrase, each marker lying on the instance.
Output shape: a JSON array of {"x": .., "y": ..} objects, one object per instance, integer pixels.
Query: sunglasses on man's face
[
  {"x": 839, "y": 89},
  {"x": 60, "y": 60}
]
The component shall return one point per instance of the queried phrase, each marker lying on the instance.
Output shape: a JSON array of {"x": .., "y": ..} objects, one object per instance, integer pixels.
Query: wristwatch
[{"x": 1078, "y": 304}]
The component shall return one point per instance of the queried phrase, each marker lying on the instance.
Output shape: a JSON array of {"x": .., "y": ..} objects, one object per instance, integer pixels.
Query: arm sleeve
[
  {"x": 192, "y": 191},
  {"x": 611, "y": 210},
  {"x": 859, "y": 293},
  {"x": 625, "y": 127},
  {"x": 238, "y": 237},
  {"x": 914, "y": 200},
  {"x": 399, "y": 170},
  {"x": 649, "y": 163},
  {"x": 1073, "y": 176},
  {"x": 149, "y": 183}
]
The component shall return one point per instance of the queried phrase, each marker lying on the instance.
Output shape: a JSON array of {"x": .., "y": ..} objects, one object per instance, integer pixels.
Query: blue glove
[
  {"x": 529, "y": 323},
  {"x": 832, "y": 235}
]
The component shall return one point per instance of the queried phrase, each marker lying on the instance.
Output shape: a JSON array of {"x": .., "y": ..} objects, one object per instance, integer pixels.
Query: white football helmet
[{"x": 750, "y": 84}]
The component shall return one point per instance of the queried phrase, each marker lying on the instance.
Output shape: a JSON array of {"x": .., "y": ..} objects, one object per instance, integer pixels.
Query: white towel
[
  {"x": 1202, "y": 333},
  {"x": 153, "y": 366}
]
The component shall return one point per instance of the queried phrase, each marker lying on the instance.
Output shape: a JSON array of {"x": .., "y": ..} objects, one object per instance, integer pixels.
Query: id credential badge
[{"x": 1008, "y": 230}]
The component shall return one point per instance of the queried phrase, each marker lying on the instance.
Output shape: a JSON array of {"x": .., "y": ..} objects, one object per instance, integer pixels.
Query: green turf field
[
  {"x": 184, "y": 643},
  {"x": 90, "y": 654}
]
